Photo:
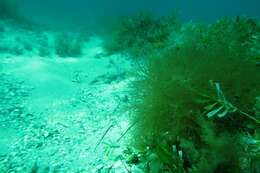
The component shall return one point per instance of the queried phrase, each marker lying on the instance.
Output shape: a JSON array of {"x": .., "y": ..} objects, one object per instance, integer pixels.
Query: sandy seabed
[{"x": 60, "y": 114}]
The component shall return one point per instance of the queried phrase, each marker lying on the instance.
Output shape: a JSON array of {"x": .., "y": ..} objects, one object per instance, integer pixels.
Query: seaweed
[
  {"x": 201, "y": 92},
  {"x": 68, "y": 45},
  {"x": 138, "y": 35},
  {"x": 8, "y": 9}
]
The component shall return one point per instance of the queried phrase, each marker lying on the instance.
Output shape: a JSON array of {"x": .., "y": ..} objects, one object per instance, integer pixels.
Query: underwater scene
[{"x": 112, "y": 86}]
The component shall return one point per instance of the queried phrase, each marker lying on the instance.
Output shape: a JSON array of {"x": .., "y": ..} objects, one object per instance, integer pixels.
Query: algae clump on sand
[
  {"x": 139, "y": 35},
  {"x": 194, "y": 97},
  {"x": 8, "y": 8}
]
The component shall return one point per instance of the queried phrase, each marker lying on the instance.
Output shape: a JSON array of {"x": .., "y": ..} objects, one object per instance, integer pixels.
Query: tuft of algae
[
  {"x": 8, "y": 9},
  {"x": 194, "y": 97}
]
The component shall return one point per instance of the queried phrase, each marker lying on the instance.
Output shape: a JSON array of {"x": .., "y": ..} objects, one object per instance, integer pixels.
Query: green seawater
[{"x": 129, "y": 86}]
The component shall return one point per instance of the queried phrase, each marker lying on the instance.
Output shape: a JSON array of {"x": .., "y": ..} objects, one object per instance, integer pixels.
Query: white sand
[{"x": 72, "y": 102}]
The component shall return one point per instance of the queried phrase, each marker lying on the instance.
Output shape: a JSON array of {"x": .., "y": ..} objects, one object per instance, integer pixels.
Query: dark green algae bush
[
  {"x": 8, "y": 8},
  {"x": 196, "y": 95}
]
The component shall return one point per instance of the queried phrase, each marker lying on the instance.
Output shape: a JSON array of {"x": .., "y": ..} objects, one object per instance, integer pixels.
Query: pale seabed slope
[{"x": 60, "y": 108}]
